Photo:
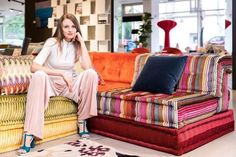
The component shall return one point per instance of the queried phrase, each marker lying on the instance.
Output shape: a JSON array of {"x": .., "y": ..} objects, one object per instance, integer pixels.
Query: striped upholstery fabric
[
  {"x": 15, "y": 74},
  {"x": 60, "y": 120},
  {"x": 198, "y": 75},
  {"x": 160, "y": 109},
  {"x": 202, "y": 73},
  {"x": 14, "y": 108}
]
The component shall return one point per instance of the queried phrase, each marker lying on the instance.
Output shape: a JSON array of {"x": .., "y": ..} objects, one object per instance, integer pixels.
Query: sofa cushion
[
  {"x": 202, "y": 73},
  {"x": 157, "y": 108},
  {"x": 15, "y": 74},
  {"x": 160, "y": 74},
  {"x": 197, "y": 75},
  {"x": 116, "y": 67},
  {"x": 140, "y": 61}
]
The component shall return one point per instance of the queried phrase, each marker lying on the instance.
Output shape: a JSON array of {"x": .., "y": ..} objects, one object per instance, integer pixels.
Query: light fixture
[
  {"x": 15, "y": 10},
  {"x": 17, "y": 1}
]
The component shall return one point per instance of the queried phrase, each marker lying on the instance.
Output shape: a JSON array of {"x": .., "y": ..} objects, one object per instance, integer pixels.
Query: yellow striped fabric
[
  {"x": 11, "y": 137},
  {"x": 60, "y": 120},
  {"x": 14, "y": 108}
]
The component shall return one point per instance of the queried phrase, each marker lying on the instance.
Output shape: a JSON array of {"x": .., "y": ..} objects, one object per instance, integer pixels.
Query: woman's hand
[
  {"x": 68, "y": 81},
  {"x": 78, "y": 37}
]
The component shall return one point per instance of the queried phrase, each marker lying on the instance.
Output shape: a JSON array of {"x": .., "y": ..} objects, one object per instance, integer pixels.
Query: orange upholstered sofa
[{"x": 176, "y": 123}]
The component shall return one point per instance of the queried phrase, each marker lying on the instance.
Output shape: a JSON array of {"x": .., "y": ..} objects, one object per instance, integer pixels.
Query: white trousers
[{"x": 43, "y": 86}]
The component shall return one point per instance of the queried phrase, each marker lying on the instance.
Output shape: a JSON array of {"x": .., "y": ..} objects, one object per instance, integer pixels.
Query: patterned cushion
[
  {"x": 14, "y": 74},
  {"x": 203, "y": 72},
  {"x": 200, "y": 74}
]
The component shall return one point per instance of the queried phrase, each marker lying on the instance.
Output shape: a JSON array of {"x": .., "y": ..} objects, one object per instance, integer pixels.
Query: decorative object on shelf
[
  {"x": 145, "y": 29},
  {"x": 43, "y": 11},
  {"x": 167, "y": 25}
]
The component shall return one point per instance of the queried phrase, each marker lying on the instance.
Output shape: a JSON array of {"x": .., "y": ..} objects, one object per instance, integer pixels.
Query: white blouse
[{"x": 51, "y": 57}]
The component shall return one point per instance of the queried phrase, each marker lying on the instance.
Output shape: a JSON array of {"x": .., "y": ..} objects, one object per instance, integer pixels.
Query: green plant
[{"x": 145, "y": 29}]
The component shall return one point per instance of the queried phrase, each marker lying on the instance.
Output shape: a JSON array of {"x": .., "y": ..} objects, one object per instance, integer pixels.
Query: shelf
[{"x": 94, "y": 17}]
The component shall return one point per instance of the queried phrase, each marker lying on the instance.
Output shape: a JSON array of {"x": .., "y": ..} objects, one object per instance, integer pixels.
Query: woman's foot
[
  {"x": 83, "y": 131},
  {"x": 28, "y": 143}
]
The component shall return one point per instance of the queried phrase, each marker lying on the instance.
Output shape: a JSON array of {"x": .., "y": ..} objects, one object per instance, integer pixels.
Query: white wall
[{"x": 152, "y": 6}]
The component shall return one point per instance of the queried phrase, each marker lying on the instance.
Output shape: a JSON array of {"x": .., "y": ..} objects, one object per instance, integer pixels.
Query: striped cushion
[
  {"x": 14, "y": 108},
  {"x": 200, "y": 74},
  {"x": 15, "y": 74},
  {"x": 160, "y": 109}
]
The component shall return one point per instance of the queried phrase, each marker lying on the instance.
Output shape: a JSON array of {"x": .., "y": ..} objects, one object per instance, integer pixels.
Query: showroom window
[
  {"x": 198, "y": 21},
  {"x": 14, "y": 30},
  {"x": 131, "y": 21}
]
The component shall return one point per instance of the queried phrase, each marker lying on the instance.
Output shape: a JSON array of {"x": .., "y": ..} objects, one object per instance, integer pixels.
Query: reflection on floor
[{"x": 222, "y": 146}]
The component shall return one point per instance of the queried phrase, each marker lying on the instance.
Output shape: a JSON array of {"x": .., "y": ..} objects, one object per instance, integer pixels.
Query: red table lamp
[{"x": 167, "y": 25}]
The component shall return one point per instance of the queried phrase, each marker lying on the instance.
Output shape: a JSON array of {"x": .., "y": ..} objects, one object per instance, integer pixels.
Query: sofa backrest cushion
[
  {"x": 15, "y": 74},
  {"x": 117, "y": 67},
  {"x": 160, "y": 74},
  {"x": 201, "y": 74}
]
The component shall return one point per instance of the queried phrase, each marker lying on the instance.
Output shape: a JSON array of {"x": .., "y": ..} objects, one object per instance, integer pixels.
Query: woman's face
[{"x": 69, "y": 29}]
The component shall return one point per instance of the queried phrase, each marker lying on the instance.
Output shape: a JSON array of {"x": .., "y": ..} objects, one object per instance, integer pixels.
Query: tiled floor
[{"x": 223, "y": 146}]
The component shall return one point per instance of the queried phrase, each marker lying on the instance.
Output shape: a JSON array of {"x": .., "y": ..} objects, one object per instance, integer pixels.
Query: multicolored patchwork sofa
[{"x": 196, "y": 113}]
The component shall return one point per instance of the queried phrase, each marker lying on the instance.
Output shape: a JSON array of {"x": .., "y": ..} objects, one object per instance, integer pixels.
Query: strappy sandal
[
  {"x": 83, "y": 132},
  {"x": 24, "y": 149}
]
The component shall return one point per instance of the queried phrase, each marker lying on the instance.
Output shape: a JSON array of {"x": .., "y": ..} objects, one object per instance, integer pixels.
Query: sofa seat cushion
[
  {"x": 14, "y": 108},
  {"x": 174, "y": 110},
  {"x": 110, "y": 85},
  {"x": 116, "y": 67}
]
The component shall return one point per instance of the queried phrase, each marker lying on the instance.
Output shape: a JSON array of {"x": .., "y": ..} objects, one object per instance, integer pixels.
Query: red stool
[{"x": 167, "y": 25}]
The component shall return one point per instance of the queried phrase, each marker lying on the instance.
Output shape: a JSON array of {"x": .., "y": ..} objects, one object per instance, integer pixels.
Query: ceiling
[{"x": 6, "y": 5}]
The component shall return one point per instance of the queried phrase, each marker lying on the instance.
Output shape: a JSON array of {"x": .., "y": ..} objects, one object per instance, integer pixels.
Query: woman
[{"x": 53, "y": 75}]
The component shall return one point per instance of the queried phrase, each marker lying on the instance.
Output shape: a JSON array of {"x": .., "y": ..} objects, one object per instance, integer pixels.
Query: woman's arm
[
  {"x": 83, "y": 53},
  {"x": 35, "y": 67}
]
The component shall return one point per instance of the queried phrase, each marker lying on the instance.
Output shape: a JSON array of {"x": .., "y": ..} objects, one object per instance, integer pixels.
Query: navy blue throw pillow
[{"x": 160, "y": 74}]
